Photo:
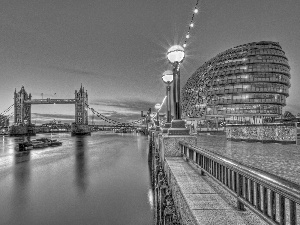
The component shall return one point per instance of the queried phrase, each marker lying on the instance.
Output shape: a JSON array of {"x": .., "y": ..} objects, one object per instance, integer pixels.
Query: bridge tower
[
  {"x": 81, "y": 110},
  {"x": 22, "y": 110}
]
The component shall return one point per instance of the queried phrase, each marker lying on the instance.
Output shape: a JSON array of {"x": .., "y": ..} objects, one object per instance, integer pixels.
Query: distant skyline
[{"x": 117, "y": 49}]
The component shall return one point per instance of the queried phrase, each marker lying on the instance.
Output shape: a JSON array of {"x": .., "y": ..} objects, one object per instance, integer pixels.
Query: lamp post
[
  {"x": 168, "y": 79},
  {"x": 157, "y": 107},
  {"x": 175, "y": 56}
]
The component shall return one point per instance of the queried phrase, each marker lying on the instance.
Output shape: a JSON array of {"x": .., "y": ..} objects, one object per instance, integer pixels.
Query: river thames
[{"x": 98, "y": 179}]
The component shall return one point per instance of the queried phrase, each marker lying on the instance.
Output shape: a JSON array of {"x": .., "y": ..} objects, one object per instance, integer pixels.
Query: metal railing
[{"x": 265, "y": 194}]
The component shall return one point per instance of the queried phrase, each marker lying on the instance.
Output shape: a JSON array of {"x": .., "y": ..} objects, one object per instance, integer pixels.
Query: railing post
[
  {"x": 239, "y": 179},
  {"x": 246, "y": 189},
  {"x": 230, "y": 179},
  {"x": 201, "y": 163},
  {"x": 273, "y": 205},
  {"x": 282, "y": 210},
  {"x": 187, "y": 152},
  {"x": 265, "y": 201},
  {"x": 181, "y": 149},
  {"x": 258, "y": 200},
  {"x": 293, "y": 216},
  {"x": 251, "y": 192}
]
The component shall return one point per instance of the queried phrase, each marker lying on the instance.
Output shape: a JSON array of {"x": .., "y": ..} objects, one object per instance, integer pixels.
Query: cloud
[
  {"x": 81, "y": 72},
  {"x": 74, "y": 71},
  {"x": 133, "y": 104}
]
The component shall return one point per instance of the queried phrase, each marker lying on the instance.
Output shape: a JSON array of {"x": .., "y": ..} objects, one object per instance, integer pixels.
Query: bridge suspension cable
[
  {"x": 6, "y": 117},
  {"x": 6, "y": 110},
  {"x": 106, "y": 119}
]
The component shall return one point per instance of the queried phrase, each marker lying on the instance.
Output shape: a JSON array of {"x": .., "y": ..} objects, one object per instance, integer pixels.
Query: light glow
[
  {"x": 168, "y": 76},
  {"x": 175, "y": 54},
  {"x": 157, "y": 106}
]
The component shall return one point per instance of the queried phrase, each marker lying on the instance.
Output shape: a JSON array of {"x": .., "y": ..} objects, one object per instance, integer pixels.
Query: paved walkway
[
  {"x": 278, "y": 159},
  {"x": 206, "y": 203}
]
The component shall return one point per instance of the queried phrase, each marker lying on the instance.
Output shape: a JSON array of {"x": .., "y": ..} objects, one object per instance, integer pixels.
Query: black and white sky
[{"x": 117, "y": 49}]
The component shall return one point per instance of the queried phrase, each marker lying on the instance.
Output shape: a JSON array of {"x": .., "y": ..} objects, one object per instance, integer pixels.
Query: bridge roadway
[{"x": 50, "y": 101}]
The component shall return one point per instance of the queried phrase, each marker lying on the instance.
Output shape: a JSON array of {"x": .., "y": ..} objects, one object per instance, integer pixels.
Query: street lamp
[
  {"x": 157, "y": 107},
  {"x": 168, "y": 79},
  {"x": 175, "y": 56}
]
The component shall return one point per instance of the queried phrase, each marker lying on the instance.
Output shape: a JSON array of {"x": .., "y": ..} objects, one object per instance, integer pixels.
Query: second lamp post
[
  {"x": 168, "y": 79},
  {"x": 175, "y": 56},
  {"x": 157, "y": 107}
]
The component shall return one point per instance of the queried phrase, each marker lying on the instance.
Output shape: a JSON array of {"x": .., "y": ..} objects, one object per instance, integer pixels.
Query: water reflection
[
  {"x": 87, "y": 180},
  {"x": 150, "y": 198},
  {"x": 21, "y": 177},
  {"x": 3, "y": 143},
  {"x": 80, "y": 163}
]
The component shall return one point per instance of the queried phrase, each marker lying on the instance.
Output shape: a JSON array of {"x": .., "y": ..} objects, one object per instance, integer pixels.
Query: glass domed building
[{"x": 249, "y": 82}]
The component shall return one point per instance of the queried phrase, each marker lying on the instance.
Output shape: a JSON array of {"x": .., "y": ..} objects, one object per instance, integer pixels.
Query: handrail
[{"x": 254, "y": 188}]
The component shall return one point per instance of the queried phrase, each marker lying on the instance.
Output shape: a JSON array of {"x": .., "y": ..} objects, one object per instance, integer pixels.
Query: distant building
[
  {"x": 53, "y": 127},
  {"x": 247, "y": 83}
]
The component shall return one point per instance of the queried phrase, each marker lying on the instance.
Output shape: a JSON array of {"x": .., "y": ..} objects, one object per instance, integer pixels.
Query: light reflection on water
[
  {"x": 80, "y": 163},
  {"x": 150, "y": 198},
  {"x": 98, "y": 179}
]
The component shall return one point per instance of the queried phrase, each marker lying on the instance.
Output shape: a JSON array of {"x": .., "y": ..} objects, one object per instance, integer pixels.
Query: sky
[{"x": 117, "y": 49}]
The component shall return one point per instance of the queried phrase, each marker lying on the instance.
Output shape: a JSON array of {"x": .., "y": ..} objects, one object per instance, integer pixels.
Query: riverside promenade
[{"x": 187, "y": 193}]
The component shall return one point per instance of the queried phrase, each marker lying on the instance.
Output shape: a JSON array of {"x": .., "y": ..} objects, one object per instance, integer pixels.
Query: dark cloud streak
[
  {"x": 130, "y": 104},
  {"x": 80, "y": 72}
]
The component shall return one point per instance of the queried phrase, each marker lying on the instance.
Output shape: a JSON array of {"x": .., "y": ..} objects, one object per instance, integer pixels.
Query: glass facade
[{"x": 250, "y": 80}]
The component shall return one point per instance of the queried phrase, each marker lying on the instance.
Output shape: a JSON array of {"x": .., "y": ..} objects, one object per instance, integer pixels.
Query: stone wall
[
  {"x": 165, "y": 211},
  {"x": 169, "y": 145},
  {"x": 169, "y": 203},
  {"x": 277, "y": 133}
]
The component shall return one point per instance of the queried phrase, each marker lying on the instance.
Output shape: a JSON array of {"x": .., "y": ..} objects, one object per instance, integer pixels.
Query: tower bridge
[{"x": 22, "y": 110}]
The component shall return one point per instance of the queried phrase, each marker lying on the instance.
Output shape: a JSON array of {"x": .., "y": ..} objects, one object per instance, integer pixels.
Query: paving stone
[
  {"x": 218, "y": 217},
  {"x": 205, "y": 205},
  {"x": 206, "y": 201},
  {"x": 196, "y": 187}
]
